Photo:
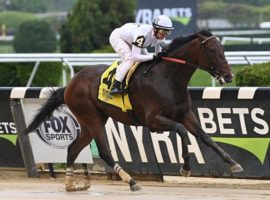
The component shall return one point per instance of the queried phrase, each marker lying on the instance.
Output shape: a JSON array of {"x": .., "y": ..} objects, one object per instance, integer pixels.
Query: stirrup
[
  {"x": 116, "y": 91},
  {"x": 116, "y": 88}
]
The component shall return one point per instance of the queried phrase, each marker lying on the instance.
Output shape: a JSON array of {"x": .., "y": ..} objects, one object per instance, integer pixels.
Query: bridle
[
  {"x": 204, "y": 41},
  {"x": 212, "y": 69}
]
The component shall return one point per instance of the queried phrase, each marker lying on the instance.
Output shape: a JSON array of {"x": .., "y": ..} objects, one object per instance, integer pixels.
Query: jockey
[{"x": 130, "y": 42}]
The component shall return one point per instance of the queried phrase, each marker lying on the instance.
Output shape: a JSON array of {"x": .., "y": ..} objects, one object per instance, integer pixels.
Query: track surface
[{"x": 173, "y": 188}]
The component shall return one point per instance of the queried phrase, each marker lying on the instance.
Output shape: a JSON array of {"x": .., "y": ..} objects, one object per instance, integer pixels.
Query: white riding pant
[{"x": 123, "y": 49}]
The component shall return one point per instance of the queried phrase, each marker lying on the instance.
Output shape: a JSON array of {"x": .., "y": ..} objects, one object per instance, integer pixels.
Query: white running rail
[{"x": 70, "y": 60}]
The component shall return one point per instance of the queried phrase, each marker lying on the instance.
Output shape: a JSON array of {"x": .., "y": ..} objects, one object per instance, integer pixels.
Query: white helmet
[{"x": 162, "y": 22}]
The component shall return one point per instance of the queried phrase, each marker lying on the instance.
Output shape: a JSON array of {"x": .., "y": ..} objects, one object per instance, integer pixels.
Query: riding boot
[{"x": 116, "y": 88}]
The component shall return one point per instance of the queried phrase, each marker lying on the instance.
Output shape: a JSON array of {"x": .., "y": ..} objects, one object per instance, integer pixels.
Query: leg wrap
[
  {"x": 69, "y": 171},
  {"x": 124, "y": 175}
]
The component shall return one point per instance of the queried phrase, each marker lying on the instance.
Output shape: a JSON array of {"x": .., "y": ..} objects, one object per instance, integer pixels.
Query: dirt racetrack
[{"x": 23, "y": 188}]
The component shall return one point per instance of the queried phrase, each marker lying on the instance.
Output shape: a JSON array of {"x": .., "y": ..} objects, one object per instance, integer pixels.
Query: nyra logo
[
  {"x": 60, "y": 130},
  {"x": 180, "y": 15}
]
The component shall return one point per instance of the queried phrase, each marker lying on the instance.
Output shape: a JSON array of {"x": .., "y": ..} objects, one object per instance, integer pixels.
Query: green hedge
[
  {"x": 17, "y": 74},
  {"x": 255, "y": 75},
  {"x": 35, "y": 37},
  {"x": 8, "y": 75}
]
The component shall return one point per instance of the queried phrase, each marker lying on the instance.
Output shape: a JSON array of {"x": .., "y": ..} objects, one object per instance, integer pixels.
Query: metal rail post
[
  {"x": 27, "y": 154},
  {"x": 33, "y": 73}
]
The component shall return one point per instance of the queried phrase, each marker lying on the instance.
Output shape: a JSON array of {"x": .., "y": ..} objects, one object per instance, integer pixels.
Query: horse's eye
[{"x": 212, "y": 51}]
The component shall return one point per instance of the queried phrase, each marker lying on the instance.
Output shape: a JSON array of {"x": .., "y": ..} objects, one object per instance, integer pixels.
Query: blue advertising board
[{"x": 182, "y": 13}]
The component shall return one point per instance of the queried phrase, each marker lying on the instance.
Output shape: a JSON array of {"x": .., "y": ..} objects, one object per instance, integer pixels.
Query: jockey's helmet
[{"x": 162, "y": 22}]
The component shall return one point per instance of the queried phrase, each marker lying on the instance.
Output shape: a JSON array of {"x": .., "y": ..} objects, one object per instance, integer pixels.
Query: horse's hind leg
[
  {"x": 105, "y": 155},
  {"x": 74, "y": 149}
]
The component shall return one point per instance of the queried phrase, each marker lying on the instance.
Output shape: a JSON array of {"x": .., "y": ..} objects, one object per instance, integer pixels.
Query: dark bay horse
[{"x": 159, "y": 97}]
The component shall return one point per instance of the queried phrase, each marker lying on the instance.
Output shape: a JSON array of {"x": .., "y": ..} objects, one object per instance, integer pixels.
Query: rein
[{"x": 184, "y": 62}]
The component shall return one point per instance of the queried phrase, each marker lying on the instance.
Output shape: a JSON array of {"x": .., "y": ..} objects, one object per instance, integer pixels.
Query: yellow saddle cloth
[{"x": 106, "y": 82}]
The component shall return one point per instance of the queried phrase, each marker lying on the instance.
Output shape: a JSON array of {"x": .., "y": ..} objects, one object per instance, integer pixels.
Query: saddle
[{"x": 121, "y": 101}]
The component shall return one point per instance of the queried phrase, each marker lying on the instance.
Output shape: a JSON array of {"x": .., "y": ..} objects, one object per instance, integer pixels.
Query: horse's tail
[{"x": 55, "y": 100}]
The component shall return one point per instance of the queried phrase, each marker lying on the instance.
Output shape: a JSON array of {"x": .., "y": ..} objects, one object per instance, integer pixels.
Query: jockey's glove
[{"x": 159, "y": 55}]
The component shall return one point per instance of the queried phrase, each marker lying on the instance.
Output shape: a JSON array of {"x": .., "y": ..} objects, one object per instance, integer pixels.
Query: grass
[
  {"x": 6, "y": 49},
  {"x": 200, "y": 78},
  {"x": 203, "y": 79}
]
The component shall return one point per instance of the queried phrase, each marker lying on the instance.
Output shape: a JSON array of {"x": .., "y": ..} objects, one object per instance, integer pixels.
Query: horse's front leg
[
  {"x": 162, "y": 123},
  {"x": 185, "y": 169},
  {"x": 235, "y": 167},
  {"x": 194, "y": 128}
]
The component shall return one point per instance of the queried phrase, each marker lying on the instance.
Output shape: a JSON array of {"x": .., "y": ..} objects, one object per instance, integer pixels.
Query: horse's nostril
[{"x": 228, "y": 78}]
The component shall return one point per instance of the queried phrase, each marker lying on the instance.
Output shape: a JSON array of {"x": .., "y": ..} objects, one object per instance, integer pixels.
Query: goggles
[{"x": 164, "y": 32}]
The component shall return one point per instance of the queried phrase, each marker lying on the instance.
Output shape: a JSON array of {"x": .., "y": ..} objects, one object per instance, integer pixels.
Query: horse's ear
[{"x": 201, "y": 36}]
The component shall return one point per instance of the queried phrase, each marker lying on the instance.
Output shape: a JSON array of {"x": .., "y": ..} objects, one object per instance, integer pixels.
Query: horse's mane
[{"x": 179, "y": 41}]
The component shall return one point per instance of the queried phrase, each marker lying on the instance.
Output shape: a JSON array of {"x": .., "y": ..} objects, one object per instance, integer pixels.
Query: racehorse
[{"x": 159, "y": 97}]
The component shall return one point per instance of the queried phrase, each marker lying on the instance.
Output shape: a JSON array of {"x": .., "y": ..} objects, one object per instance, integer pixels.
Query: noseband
[{"x": 212, "y": 70}]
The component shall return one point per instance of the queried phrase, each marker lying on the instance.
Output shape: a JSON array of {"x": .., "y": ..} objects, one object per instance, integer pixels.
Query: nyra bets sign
[
  {"x": 51, "y": 139},
  {"x": 183, "y": 14}
]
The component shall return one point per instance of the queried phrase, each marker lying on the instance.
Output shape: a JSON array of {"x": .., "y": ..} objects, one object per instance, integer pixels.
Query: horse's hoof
[
  {"x": 237, "y": 168},
  {"x": 75, "y": 188},
  {"x": 185, "y": 173},
  {"x": 73, "y": 184},
  {"x": 135, "y": 188}
]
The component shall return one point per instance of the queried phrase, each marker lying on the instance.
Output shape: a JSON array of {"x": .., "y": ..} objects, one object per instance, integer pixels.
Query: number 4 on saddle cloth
[{"x": 106, "y": 82}]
